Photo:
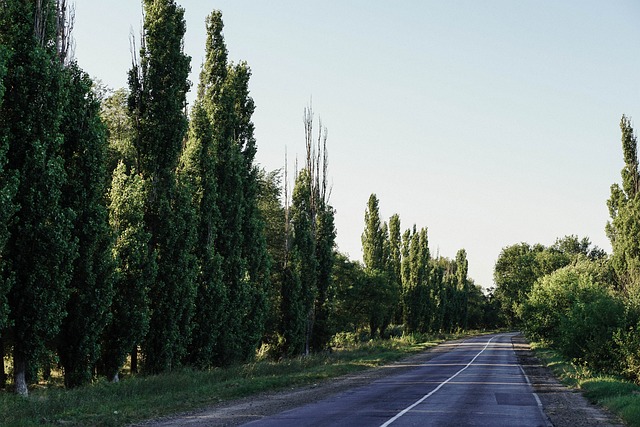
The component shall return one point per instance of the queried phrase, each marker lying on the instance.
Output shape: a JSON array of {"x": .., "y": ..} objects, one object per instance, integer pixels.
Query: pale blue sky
[{"x": 489, "y": 122}]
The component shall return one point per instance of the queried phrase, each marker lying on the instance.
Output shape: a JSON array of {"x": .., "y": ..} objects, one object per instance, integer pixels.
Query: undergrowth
[{"x": 617, "y": 394}]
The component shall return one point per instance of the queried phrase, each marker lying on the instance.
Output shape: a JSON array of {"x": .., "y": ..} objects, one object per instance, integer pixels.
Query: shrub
[{"x": 577, "y": 316}]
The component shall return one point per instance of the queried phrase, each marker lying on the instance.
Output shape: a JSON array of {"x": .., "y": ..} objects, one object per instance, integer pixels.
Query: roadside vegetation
[
  {"x": 581, "y": 305},
  {"x": 134, "y": 227},
  {"x": 619, "y": 395},
  {"x": 137, "y": 398}
]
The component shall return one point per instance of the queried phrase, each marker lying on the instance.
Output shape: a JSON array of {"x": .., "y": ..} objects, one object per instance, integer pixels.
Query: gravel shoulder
[{"x": 564, "y": 407}]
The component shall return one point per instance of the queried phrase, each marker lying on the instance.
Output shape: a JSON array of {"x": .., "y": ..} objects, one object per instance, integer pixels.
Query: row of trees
[
  {"x": 578, "y": 299},
  {"x": 130, "y": 229},
  {"x": 410, "y": 287}
]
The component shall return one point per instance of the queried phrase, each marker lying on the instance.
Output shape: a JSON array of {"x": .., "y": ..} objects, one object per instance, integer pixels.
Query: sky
[{"x": 489, "y": 122}]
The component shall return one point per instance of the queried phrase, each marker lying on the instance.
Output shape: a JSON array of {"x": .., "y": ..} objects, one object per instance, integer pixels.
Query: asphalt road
[{"x": 478, "y": 382}]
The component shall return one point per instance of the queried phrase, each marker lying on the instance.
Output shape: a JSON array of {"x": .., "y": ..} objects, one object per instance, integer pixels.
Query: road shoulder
[
  {"x": 237, "y": 412},
  {"x": 564, "y": 407}
]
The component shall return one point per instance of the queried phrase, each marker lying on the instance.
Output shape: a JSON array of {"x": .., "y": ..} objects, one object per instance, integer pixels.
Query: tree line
[
  {"x": 134, "y": 230},
  {"x": 574, "y": 296}
]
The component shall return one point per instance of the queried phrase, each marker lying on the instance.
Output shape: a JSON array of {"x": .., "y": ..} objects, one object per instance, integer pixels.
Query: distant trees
[{"x": 401, "y": 281}]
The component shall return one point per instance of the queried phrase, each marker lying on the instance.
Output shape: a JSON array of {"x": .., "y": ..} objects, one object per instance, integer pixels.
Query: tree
[
  {"x": 303, "y": 250},
  {"x": 376, "y": 251},
  {"x": 395, "y": 262},
  {"x": 325, "y": 245},
  {"x": 198, "y": 167},
  {"x": 135, "y": 271},
  {"x": 373, "y": 239},
  {"x": 8, "y": 185},
  {"x": 84, "y": 193},
  {"x": 463, "y": 288},
  {"x": 624, "y": 207},
  {"x": 515, "y": 273},
  {"x": 38, "y": 250},
  {"x": 117, "y": 119},
  {"x": 254, "y": 245},
  {"x": 158, "y": 85}
]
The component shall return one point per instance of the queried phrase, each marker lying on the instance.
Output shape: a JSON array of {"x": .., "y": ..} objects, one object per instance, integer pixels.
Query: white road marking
[{"x": 426, "y": 396}]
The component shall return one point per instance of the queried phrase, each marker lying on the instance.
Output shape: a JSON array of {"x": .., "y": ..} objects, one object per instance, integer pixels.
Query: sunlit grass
[{"x": 144, "y": 397}]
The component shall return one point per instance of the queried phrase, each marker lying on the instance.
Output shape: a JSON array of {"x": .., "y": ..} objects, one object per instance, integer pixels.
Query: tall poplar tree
[
  {"x": 8, "y": 184},
  {"x": 373, "y": 239},
  {"x": 158, "y": 85},
  {"x": 624, "y": 207},
  {"x": 254, "y": 246},
  {"x": 395, "y": 263},
  {"x": 198, "y": 167},
  {"x": 304, "y": 250},
  {"x": 90, "y": 288},
  {"x": 462, "y": 287},
  {"x": 39, "y": 250}
]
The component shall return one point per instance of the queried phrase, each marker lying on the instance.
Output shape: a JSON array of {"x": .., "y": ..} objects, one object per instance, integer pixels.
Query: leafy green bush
[
  {"x": 577, "y": 316},
  {"x": 628, "y": 344}
]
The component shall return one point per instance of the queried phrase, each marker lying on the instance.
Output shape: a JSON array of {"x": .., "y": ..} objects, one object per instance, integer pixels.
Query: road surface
[{"x": 478, "y": 382}]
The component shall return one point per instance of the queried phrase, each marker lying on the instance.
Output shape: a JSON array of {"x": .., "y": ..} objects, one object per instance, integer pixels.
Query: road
[{"x": 477, "y": 382}]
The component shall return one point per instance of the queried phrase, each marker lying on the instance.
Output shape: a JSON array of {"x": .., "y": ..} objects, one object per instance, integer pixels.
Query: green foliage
[
  {"x": 520, "y": 265},
  {"x": 351, "y": 311},
  {"x": 135, "y": 272},
  {"x": 115, "y": 115},
  {"x": 197, "y": 169},
  {"x": 624, "y": 207},
  {"x": 576, "y": 315},
  {"x": 303, "y": 246},
  {"x": 90, "y": 288},
  {"x": 325, "y": 243},
  {"x": 158, "y": 86},
  {"x": 8, "y": 184},
  {"x": 373, "y": 239},
  {"x": 39, "y": 249}
]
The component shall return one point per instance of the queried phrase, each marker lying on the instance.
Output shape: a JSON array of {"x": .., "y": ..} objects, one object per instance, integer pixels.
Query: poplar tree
[
  {"x": 375, "y": 249},
  {"x": 90, "y": 288},
  {"x": 198, "y": 167},
  {"x": 158, "y": 85},
  {"x": 395, "y": 263},
  {"x": 304, "y": 251},
  {"x": 373, "y": 239},
  {"x": 624, "y": 208},
  {"x": 254, "y": 246},
  {"x": 462, "y": 287},
  {"x": 39, "y": 251},
  {"x": 8, "y": 184},
  {"x": 135, "y": 271}
]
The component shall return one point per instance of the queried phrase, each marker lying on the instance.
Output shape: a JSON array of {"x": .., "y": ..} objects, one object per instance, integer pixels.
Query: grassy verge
[
  {"x": 620, "y": 396},
  {"x": 139, "y": 398}
]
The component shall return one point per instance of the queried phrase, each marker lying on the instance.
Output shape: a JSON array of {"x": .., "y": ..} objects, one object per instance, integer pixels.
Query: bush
[
  {"x": 628, "y": 343},
  {"x": 577, "y": 316}
]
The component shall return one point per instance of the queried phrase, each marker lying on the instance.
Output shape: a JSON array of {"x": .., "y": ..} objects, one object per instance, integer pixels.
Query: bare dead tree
[{"x": 65, "y": 20}]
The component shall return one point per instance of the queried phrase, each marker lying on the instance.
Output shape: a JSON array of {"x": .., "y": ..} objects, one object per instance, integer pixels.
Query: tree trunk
[
  {"x": 134, "y": 360},
  {"x": 19, "y": 374},
  {"x": 3, "y": 373}
]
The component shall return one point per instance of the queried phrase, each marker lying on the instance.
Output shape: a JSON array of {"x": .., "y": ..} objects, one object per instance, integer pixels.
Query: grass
[
  {"x": 620, "y": 396},
  {"x": 144, "y": 397}
]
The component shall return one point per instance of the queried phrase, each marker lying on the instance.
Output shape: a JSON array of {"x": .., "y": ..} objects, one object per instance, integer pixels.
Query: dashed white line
[{"x": 426, "y": 396}]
